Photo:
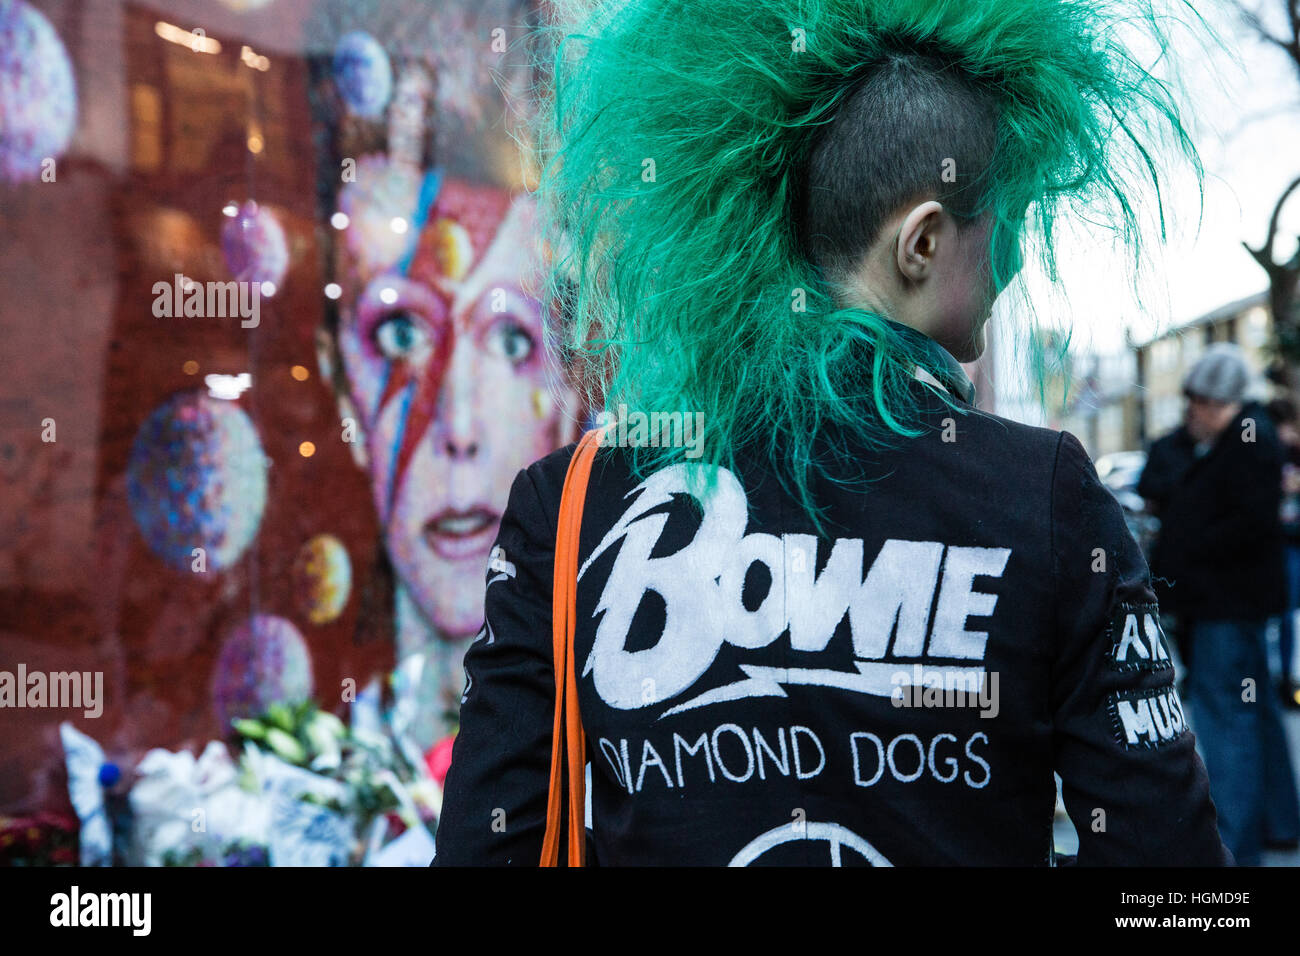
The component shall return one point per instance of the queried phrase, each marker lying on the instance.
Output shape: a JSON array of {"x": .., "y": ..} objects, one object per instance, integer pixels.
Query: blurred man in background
[{"x": 1216, "y": 484}]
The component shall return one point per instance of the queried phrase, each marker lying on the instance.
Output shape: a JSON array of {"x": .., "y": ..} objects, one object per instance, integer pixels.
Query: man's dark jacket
[
  {"x": 739, "y": 676},
  {"x": 1219, "y": 554}
]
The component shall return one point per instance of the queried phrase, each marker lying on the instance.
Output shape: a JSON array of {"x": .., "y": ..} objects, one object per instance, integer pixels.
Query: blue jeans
[
  {"x": 1243, "y": 741},
  {"x": 1287, "y": 636}
]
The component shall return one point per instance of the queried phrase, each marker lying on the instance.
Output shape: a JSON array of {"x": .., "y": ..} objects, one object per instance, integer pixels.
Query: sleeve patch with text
[
  {"x": 1147, "y": 719},
  {"x": 1137, "y": 641}
]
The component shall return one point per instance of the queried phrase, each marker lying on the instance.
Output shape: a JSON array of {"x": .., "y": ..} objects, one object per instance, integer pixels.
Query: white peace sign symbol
[{"x": 834, "y": 834}]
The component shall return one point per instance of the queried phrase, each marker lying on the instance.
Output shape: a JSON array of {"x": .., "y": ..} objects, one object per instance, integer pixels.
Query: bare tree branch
[
  {"x": 1252, "y": 19},
  {"x": 1283, "y": 277},
  {"x": 1264, "y": 254},
  {"x": 1288, "y": 45},
  {"x": 1293, "y": 17}
]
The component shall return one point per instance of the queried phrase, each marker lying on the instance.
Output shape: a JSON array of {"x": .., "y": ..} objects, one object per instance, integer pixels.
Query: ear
[{"x": 918, "y": 239}]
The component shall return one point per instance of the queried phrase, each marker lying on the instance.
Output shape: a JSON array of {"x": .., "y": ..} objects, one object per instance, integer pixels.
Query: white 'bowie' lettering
[{"x": 701, "y": 586}]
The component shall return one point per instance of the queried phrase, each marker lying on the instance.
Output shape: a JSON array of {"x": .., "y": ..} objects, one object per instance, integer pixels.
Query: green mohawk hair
[{"x": 673, "y": 141}]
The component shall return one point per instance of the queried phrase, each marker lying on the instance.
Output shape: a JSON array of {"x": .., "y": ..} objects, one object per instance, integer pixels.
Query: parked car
[{"x": 1120, "y": 472}]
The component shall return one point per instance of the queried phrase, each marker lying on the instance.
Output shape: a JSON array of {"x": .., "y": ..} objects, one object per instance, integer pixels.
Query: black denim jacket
[{"x": 897, "y": 691}]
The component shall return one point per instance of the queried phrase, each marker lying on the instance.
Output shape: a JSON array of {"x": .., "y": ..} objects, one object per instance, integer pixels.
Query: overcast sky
[
  {"x": 1247, "y": 116},
  {"x": 1248, "y": 130}
]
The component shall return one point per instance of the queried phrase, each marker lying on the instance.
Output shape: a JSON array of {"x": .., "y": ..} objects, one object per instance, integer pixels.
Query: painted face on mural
[{"x": 441, "y": 341}]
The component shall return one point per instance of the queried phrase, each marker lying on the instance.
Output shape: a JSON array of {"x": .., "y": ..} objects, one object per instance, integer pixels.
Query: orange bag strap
[{"x": 567, "y": 736}]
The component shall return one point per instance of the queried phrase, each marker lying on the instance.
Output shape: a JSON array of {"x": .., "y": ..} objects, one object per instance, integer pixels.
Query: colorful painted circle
[
  {"x": 262, "y": 660},
  {"x": 254, "y": 245},
  {"x": 322, "y": 578},
  {"x": 38, "y": 93},
  {"x": 363, "y": 74},
  {"x": 196, "y": 479}
]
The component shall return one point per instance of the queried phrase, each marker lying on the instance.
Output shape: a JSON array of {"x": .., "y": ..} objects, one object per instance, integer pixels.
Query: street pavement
[{"x": 1291, "y": 720}]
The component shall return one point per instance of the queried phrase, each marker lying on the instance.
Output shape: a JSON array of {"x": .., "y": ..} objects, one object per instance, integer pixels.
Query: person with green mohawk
[{"x": 827, "y": 610}]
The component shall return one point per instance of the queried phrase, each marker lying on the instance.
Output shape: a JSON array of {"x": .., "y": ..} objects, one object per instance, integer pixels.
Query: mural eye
[
  {"x": 399, "y": 335},
  {"x": 513, "y": 342}
]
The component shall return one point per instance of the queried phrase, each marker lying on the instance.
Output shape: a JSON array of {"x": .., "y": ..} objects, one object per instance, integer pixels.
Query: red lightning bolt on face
[{"x": 421, "y": 388}]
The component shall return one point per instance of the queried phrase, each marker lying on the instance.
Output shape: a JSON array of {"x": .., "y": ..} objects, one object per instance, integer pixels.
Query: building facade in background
[{"x": 1125, "y": 400}]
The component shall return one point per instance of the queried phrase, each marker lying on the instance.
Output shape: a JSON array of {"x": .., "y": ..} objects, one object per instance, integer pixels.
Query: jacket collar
[{"x": 935, "y": 364}]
